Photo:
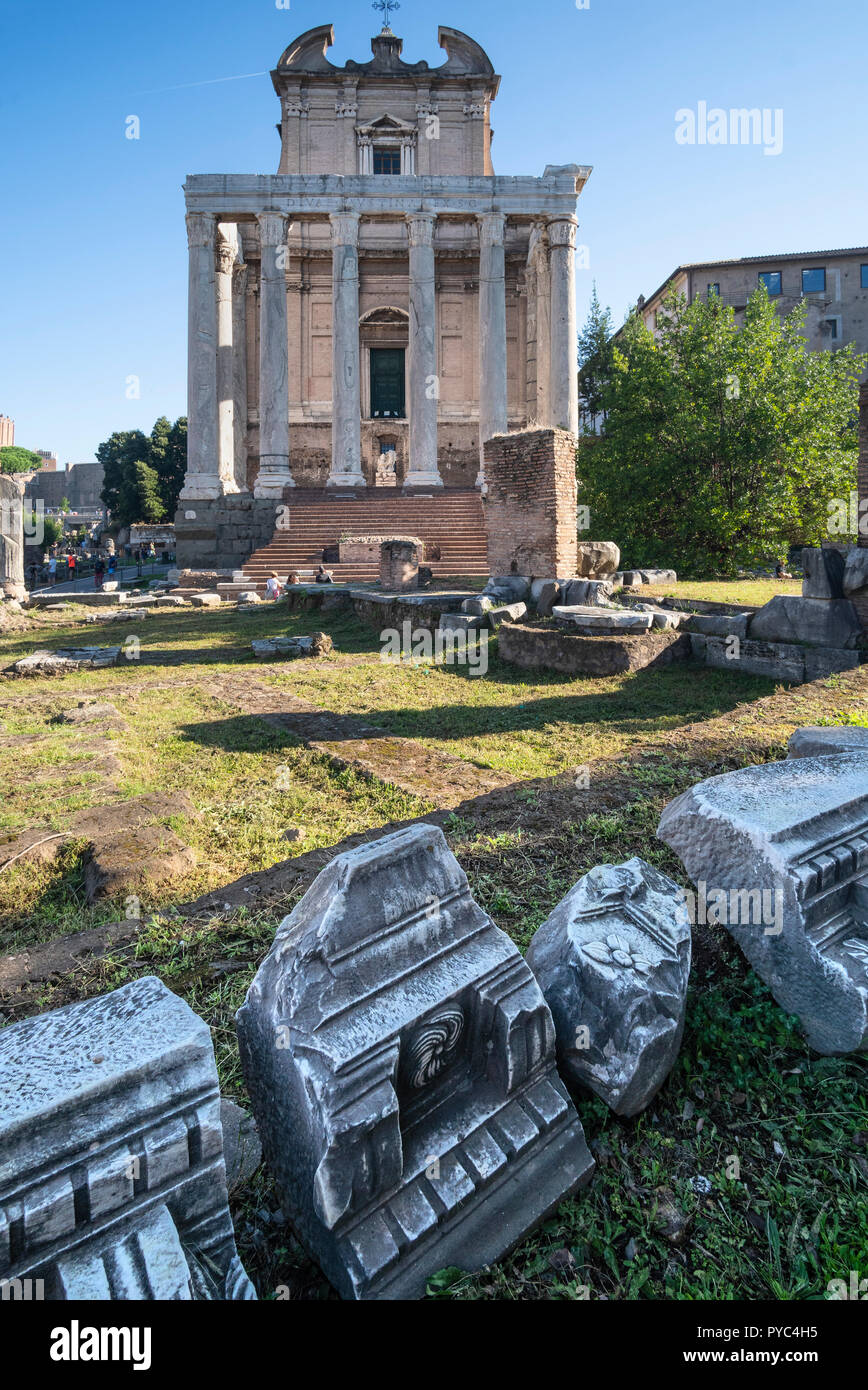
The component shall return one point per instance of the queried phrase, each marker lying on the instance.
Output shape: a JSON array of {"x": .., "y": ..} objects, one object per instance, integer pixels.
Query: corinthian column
[
  {"x": 492, "y": 333},
  {"x": 346, "y": 469},
  {"x": 202, "y": 480},
  {"x": 224, "y": 261},
  {"x": 239, "y": 368},
  {"x": 424, "y": 382},
  {"x": 274, "y": 474},
  {"x": 564, "y": 385}
]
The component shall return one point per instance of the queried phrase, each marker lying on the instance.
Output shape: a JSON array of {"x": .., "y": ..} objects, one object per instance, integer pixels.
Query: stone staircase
[{"x": 451, "y": 519}]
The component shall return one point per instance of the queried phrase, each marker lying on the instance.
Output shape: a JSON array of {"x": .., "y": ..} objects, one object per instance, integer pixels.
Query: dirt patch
[
  {"x": 148, "y": 855},
  {"x": 61, "y": 957}
]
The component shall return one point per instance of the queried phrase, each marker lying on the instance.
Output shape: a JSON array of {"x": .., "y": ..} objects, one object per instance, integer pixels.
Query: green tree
[
  {"x": 145, "y": 489},
  {"x": 119, "y": 455},
  {"x": 595, "y": 363},
  {"x": 65, "y": 504},
  {"x": 167, "y": 454},
  {"x": 722, "y": 446},
  {"x": 164, "y": 452},
  {"x": 14, "y": 459}
]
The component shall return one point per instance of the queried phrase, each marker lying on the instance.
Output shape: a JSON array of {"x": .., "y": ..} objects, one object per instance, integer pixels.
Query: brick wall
[
  {"x": 530, "y": 509},
  {"x": 861, "y": 600}
]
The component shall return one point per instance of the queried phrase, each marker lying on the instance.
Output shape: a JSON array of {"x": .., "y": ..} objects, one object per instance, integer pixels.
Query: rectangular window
[
  {"x": 712, "y": 290},
  {"x": 387, "y": 159},
  {"x": 863, "y": 280},
  {"x": 830, "y": 328},
  {"x": 814, "y": 281},
  {"x": 772, "y": 281}
]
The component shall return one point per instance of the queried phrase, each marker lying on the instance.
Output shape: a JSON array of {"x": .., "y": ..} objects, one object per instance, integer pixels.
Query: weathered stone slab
[
  {"x": 780, "y": 661},
  {"x": 818, "y": 622},
  {"x": 400, "y": 1060},
  {"x": 478, "y": 607},
  {"x": 565, "y": 649},
  {"x": 112, "y": 1178},
  {"x": 786, "y": 845},
  {"x": 823, "y": 572},
  {"x": 314, "y": 645},
  {"x": 816, "y": 741},
  {"x": 613, "y": 961},
  {"x": 720, "y": 624},
  {"x": 602, "y": 620},
  {"x": 591, "y": 593},
  {"x": 668, "y": 619},
  {"x": 596, "y": 559},
  {"x": 548, "y": 595},
  {"x": 63, "y": 661},
  {"x": 506, "y": 613},
  {"x": 512, "y": 588},
  {"x": 205, "y": 600},
  {"x": 461, "y": 622},
  {"x": 249, "y": 597},
  {"x": 147, "y": 856},
  {"x": 855, "y": 571},
  {"x": 658, "y": 576}
]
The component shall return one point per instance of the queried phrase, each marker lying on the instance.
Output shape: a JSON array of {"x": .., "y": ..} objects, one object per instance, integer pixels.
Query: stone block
[
  {"x": 400, "y": 1060},
  {"x": 205, "y": 600},
  {"x": 506, "y": 613},
  {"x": 315, "y": 645},
  {"x": 779, "y": 661},
  {"x": 823, "y": 572},
  {"x": 814, "y": 621},
  {"x": 566, "y": 650},
  {"x": 478, "y": 607},
  {"x": 653, "y": 576},
  {"x": 111, "y": 1152},
  {"x": 514, "y": 588},
  {"x": 720, "y": 624},
  {"x": 613, "y": 961},
  {"x": 461, "y": 622},
  {"x": 782, "y": 850},
  {"x": 548, "y": 596},
  {"x": 821, "y": 662},
  {"x": 63, "y": 661},
  {"x": 855, "y": 579},
  {"x": 603, "y": 620},
  {"x": 592, "y": 592},
  {"x": 249, "y": 597},
  {"x": 597, "y": 559},
  {"x": 632, "y": 578},
  {"x": 815, "y": 741}
]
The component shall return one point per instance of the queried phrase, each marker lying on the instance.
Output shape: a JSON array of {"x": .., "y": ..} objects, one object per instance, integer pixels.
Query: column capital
[
  {"x": 562, "y": 231},
  {"x": 272, "y": 228},
  {"x": 224, "y": 256},
  {"x": 345, "y": 228},
  {"x": 420, "y": 228},
  {"x": 200, "y": 229},
  {"x": 491, "y": 228}
]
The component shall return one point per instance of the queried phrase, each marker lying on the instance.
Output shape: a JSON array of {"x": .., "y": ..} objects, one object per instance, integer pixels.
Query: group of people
[
  {"x": 274, "y": 589},
  {"x": 57, "y": 569}
]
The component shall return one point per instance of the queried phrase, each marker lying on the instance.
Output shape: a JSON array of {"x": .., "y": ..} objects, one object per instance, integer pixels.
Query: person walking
[
  {"x": 98, "y": 572},
  {"x": 112, "y": 565},
  {"x": 52, "y": 569},
  {"x": 70, "y": 566}
]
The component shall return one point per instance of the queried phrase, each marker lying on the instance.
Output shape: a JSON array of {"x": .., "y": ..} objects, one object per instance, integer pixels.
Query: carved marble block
[
  {"x": 788, "y": 845},
  {"x": 112, "y": 1181},
  {"x": 400, "y": 1059},
  {"x": 613, "y": 961}
]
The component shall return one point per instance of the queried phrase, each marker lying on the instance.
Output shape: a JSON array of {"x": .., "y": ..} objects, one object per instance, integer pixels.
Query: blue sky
[{"x": 92, "y": 226}]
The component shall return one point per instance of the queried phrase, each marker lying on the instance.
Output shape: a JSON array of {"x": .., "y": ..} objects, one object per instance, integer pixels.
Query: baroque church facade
[{"x": 369, "y": 315}]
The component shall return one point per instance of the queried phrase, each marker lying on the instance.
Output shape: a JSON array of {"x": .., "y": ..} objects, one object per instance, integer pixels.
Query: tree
[
  {"x": 65, "y": 504},
  {"x": 595, "y": 363},
  {"x": 167, "y": 454},
  {"x": 119, "y": 455},
  {"x": 148, "y": 502},
  {"x": 722, "y": 446},
  {"x": 15, "y": 459}
]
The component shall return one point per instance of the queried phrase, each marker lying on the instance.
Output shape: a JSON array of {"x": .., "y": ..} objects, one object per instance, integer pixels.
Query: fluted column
[
  {"x": 424, "y": 382},
  {"x": 202, "y": 480},
  {"x": 539, "y": 303},
  {"x": 274, "y": 472},
  {"x": 564, "y": 387},
  {"x": 224, "y": 262},
  {"x": 346, "y": 469},
  {"x": 239, "y": 367},
  {"x": 492, "y": 333}
]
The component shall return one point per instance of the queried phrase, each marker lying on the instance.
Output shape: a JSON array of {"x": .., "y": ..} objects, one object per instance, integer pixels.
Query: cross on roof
[{"x": 386, "y": 6}]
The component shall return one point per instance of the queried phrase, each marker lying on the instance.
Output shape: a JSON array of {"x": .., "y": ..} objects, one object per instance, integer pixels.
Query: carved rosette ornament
[{"x": 433, "y": 1047}]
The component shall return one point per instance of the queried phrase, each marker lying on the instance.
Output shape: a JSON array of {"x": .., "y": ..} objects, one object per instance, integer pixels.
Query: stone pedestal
[{"x": 399, "y": 566}]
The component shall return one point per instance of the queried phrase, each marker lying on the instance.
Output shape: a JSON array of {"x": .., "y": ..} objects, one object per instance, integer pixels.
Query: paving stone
[
  {"x": 150, "y": 855},
  {"x": 111, "y": 1152},
  {"x": 817, "y": 622},
  {"x": 602, "y": 620},
  {"x": 205, "y": 600},
  {"x": 400, "y": 1060},
  {"x": 720, "y": 624},
  {"x": 815, "y": 741},
  {"x": 315, "y": 645},
  {"x": 63, "y": 661},
  {"x": 786, "y": 844},
  {"x": 613, "y": 961}
]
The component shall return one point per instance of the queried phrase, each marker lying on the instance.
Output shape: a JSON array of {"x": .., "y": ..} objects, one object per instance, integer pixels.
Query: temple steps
[{"x": 451, "y": 519}]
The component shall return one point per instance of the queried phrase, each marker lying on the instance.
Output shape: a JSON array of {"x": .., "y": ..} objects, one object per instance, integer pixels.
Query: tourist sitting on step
[
  {"x": 272, "y": 586},
  {"x": 292, "y": 578},
  {"x": 323, "y": 576}
]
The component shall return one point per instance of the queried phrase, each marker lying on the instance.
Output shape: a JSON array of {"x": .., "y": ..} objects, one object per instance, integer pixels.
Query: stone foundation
[
  {"x": 548, "y": 649},
  {"x": 530, "y": 508},
  {"x": 223, "y": 533}
]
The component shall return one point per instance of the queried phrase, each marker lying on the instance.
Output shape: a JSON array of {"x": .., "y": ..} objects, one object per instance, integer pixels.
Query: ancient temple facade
[{"x": 369, "y": 315}]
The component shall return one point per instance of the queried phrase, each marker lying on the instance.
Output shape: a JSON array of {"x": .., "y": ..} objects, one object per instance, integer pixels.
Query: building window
[
  {"x": 831, "y": 328},
  {"x": 863, "y": 281},
  {"x": 387, "y": 159},
  {"x": 814, "y": 281},
  {"x": 772, "y": 281},
  {"x": 712, "y": 291}
]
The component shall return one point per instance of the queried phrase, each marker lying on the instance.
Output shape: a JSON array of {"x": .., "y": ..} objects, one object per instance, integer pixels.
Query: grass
[
  {"x": 749, "y": 591},
  {"x": 747, "y": 1176}
]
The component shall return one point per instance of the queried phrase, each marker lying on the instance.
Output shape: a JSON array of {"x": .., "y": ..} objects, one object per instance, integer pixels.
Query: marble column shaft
[
  {"x": 424, "y": 383},
  {"x": 239, "y": 367},
  {"x": 274, "y": 471},
  {"x": 492, "y": 332},
  {"x": 346, "y": 469},
  {"x": 224, "y": 261},
  {"x": 203, "y": 478},
  {"x": 564, "y": 390}
]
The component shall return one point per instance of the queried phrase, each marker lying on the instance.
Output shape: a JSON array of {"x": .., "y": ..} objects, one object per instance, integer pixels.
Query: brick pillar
[
  {"x": 530, "y": 509},
  {"x": 399, "y": 566}
]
